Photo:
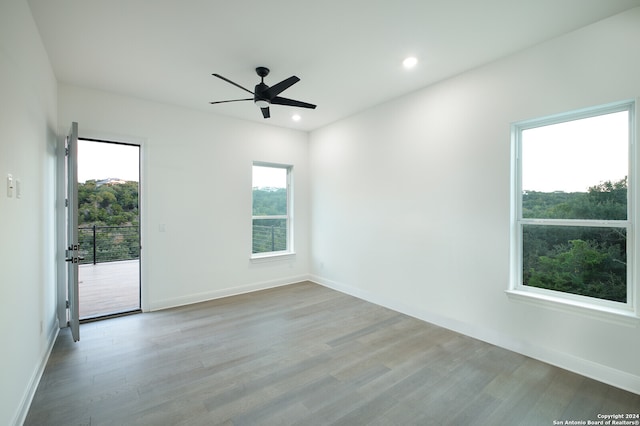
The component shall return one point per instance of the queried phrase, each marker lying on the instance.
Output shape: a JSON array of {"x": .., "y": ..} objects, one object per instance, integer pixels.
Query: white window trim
[
  {"x": 623, "y": 313},
  {"x": 279, "y": 254},
  {"x": 272, "y": 256}
]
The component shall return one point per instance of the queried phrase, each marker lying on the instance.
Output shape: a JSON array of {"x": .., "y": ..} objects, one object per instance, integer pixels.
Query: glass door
[{"x": 72, "y": 254}]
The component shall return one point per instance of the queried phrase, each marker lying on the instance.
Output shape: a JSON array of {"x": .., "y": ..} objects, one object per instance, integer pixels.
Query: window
[
  {"x": 271, "y": 230},
  {"x": 572, "y": 228}
]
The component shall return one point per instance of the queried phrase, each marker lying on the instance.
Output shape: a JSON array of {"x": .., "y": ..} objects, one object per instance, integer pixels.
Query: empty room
[{"x": 392, "y": 213}]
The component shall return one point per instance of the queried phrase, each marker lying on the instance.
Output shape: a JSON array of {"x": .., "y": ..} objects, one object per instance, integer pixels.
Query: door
[{"x": 73, "y": 248}]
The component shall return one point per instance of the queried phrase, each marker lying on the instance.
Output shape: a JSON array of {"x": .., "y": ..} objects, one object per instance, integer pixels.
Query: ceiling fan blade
[
  {"x": 265, "y": 112},
  {"x": 290, "y": 102},
  {"x": 276, "y": 89},
  {"x": 231, "y": 82},
  {"x": 232, "y": 100}
]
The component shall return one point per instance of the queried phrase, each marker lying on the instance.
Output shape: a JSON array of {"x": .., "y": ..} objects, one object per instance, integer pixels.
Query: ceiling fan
[{"x": 263, "y": 95}]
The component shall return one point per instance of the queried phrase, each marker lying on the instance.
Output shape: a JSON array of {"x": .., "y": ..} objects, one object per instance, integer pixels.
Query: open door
[{"x": 73, "y": 248}]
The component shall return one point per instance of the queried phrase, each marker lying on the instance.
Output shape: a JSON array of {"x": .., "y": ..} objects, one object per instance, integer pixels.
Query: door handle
[{"x": 71, "y": 250}]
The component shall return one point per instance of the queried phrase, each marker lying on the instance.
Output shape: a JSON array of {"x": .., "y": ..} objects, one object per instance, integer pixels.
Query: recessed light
[
  {"x": 410, "y": 62},
  {"x": 296, "y": 117}
]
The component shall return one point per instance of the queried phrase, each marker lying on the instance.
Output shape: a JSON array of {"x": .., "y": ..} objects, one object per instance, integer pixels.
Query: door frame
[
  {"x": 61, "y": 232},
  {"x": 61, "y": 265},
  {"x": 114, "y": 142}
]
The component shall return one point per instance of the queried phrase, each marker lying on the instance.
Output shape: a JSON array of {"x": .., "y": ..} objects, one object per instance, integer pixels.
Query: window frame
[
  {"x": 288, "y": 217},
  {"x": 592, "y": 306}
]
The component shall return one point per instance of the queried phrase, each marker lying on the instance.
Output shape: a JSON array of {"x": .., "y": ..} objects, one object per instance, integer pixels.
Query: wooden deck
[{"x": 109, "y": 288}]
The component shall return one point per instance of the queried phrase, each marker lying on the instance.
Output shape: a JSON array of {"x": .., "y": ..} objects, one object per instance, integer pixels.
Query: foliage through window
[
  {"x": 271, "y": 227},
  {"x": 108, "y": 221},
  {"x": 572, "y": 211}
]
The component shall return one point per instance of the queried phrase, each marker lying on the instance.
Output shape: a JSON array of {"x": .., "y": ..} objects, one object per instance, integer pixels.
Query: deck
[{"x": 109, "y": 288}]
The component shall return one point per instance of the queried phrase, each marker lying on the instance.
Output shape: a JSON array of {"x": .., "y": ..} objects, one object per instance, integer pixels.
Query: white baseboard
[
  {"x": 226, "y": 292},
  {"x": 599, "y": 372},
  {"x": 27, "y": 398}
]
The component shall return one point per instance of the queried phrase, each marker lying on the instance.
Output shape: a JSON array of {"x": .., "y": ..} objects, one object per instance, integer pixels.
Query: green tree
[
  {"x": 113, "y": 209},
  {"x": 588, "y": 261},
  {"x": 582, "y": 267},
  {"x": 269, "y": 201}
]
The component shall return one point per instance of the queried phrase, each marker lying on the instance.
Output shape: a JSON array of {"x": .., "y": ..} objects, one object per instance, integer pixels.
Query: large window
[
  {"x": 573, "y": 227},
  {"x": 271, "y": 228}
]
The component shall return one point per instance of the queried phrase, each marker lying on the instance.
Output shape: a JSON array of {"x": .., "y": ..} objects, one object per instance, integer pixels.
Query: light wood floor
[
  {"x": 302, "y": 355},
  {"x": 108, "y": 288}
]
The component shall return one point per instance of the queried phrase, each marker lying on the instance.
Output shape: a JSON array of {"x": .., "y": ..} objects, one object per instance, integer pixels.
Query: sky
[
  {"x": 99, "y": 160},
  {"x": 576, "y": 155},
  {"x": 269, "y": 177}
]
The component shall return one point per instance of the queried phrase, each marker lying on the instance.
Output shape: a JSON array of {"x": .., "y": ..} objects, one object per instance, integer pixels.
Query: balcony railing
[
  {"x": 113, "y": 243},
  {"x": 269, "y": 238},
  {"x": 109, "y": 243}
]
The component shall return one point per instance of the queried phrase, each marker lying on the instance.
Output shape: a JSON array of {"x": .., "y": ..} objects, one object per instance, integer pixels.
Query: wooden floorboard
[
  {"x": 302, "y": 355},
  {"x": 108, "y": 288}
]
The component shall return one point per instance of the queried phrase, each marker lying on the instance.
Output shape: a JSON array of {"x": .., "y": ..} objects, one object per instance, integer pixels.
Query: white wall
[
  {"x": 27, "y": 231},
  {"x": 410, "y": 200},
  {"x": 196, "y": 181}
]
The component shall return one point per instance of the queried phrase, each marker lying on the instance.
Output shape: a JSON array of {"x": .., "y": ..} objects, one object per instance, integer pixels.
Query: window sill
[
  {"x": 618, "y": 316},
  {"x": 271, "y": 257}
]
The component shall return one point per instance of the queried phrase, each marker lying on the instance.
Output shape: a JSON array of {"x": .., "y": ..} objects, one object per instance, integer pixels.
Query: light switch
[
  {"x": 10, "y": 185},
  {"x": 18, "y": 184}
]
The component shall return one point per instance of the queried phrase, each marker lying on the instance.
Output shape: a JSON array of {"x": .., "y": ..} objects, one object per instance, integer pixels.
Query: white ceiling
[{"x": 347, "y": 53}]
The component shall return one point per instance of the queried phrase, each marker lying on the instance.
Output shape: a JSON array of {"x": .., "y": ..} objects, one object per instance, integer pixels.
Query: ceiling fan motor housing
[{"x": 259, "y": 95}]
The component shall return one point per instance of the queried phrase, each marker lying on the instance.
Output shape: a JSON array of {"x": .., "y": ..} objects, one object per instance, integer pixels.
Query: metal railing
[
  {"x": 109, "y": 243},
  {"x": 113, "y": 243},
  {"x": 269, "y": 238}
]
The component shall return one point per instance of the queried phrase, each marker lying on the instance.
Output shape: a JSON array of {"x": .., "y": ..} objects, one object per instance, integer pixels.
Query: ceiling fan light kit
[{"x": 264, "y": 96}]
